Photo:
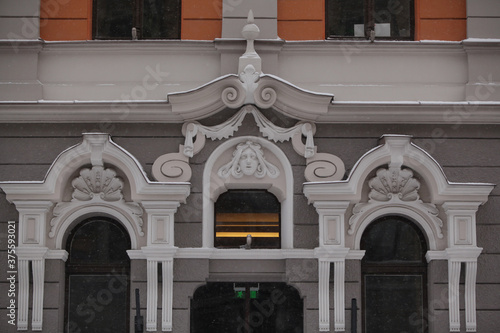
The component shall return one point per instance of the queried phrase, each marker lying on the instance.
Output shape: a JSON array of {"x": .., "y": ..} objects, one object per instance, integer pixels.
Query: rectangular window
[
  {"x": 389, "y": 19},
  {"x": 152, "y": 19},
  {"x": 239, "y": 213}
]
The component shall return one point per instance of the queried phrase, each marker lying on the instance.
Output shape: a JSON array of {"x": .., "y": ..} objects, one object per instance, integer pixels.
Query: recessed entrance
[{"x": 246, "y": 308}]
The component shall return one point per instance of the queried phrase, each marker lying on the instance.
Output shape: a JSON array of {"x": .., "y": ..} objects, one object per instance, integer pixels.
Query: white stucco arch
[
  {"x": 417, "y": 217},
  {"x": 71, "y": 220},
  {"x": 212, "y": 187}
]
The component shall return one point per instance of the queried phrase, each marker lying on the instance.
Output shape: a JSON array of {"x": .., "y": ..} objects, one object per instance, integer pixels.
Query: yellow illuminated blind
[{"x": 247, "y": 212}]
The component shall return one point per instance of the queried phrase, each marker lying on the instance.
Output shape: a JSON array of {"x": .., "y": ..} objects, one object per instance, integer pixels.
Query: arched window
[
  {"x": 239, "y": 213},
  {"x": 394, "y": 277},
  {"x": 97, "y": 277}
]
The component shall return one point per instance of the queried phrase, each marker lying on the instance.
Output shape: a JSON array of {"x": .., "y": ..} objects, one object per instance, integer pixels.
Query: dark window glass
[
  {"x": 390, "y": 19},
  {"x": 394, "y": 303},
  {"x": 239, "y": 213},
  {"x": 99, "y": 242},
  {"x": 343, "y": 16},
  {"x": 394, "y": 241},
  {"x": 98, "y": 303},
  {"x": 246, "y": 307},
  {"x": 160, "y": 19},
  {"x": 394, "y": 277},
  {"x": 113, "y": 19},
  {"x": 153, "y": 19},
  {"x": 97, "y": 277}
]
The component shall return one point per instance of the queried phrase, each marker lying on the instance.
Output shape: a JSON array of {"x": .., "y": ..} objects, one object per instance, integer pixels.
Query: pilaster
[
  {"x": 326, "y": 256},
  {"x": 167, "y": 294},
  {"x": 152, "y": 295},
  {"x": 165, "y": 256},
  {"x": 37, "y": 257}
]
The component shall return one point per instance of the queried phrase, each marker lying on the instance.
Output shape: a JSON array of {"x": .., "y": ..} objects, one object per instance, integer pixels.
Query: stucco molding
[
  {"x": 320, "y": 166},
  {"x": 397, "y": 188},
  {"x": 160, "y": 111},
  {"x": 249, "y": 87},
  {"x": 397, "y": 151},
  {"x": 281, "y": 186},
  {"x": 95, "y": 149},
  {"x": 97, "y": 187}
]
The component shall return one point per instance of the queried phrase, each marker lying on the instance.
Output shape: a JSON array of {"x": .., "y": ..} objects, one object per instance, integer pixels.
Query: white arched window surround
[
  {"x": 45, "y": 217},
  {"x": 418, "y": 218},
  {"x": 86, "y": 211},
  {"x": 447, "y": 218},
  {"x": 285, "y": 198}
]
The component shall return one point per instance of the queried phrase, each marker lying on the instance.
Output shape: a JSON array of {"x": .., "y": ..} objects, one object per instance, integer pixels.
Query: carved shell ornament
[
  {"x": 97, "y": 185},
  {"x": 394, "y": 181},
  {"x": 248, "y": 159},
  {"x": 97, "y": 181},
  {"x": 397, "y": 186}
]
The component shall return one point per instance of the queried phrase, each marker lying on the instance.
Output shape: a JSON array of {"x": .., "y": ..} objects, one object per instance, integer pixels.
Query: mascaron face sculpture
[{"x": 248, "y": 159}]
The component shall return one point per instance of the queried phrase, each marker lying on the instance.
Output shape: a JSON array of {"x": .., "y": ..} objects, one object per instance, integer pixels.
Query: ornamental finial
[{"x": 250, "y": 32}]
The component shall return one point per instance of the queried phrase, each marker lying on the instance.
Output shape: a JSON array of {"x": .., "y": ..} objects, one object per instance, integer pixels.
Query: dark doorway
[
  {"x": 97, "y": 278},
  {"x": 246, "y": 308}
]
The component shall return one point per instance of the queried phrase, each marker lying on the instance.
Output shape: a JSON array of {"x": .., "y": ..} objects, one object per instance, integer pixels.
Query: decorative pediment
[
  {"x": 100, "y": 187},
  {"x": 397, "y": 187},
  {"x": 249, "y": 86}
]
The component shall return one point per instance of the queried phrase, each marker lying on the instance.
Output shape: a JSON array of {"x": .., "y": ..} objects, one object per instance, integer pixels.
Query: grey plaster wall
[{"x": 468, "y": 153}]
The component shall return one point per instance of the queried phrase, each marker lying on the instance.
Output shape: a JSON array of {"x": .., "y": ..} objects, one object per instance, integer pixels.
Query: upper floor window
[
  {"x": 239, "y": 213},
  {"x": 152, "y": 19},
  {"x": 389, "y": 19}
]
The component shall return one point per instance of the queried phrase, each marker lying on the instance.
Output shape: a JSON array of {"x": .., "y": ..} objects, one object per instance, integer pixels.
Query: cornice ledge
[
  {"x": 294, "y": 101},
  {"x": 160, "y": 111},
  {"x": 463, "y": 253},
  {"x": 481, "y": 44},
  {"x": 87, "y": 111},
  {"x": 413, "y": 112},
  {"x": 379, "y": 46},
  {"x": 21, "y": 45}
]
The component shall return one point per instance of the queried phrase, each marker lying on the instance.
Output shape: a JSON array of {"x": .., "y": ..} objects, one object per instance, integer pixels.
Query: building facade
[{"x": 250, "y": 166}]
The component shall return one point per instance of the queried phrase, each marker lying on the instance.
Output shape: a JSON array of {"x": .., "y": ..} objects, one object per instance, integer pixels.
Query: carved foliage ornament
[
  {"x": 397, "y": 186},
  {"x": 248, "y": 159},
  {"x": 98, "y": 185},
  {"x": 320, "y": 166}
]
